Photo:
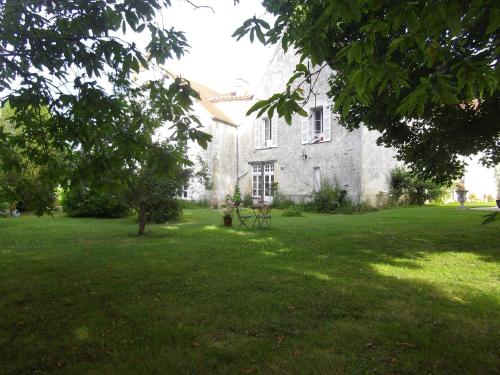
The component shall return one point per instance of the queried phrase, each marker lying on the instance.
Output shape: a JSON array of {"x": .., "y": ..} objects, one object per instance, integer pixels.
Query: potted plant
[
  {"x": 227, "y": 211},
  {"x": 461, "y": 193}
]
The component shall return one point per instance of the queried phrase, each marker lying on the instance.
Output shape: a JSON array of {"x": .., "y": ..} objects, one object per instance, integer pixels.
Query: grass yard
[{"x": 401, "y": 291}]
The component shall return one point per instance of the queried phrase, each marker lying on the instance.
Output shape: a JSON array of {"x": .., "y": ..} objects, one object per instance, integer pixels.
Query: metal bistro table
[{"x": 262, "y": 216}]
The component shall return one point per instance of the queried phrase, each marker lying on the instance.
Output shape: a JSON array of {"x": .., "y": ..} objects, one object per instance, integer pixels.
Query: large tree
[
  {"x": 28, "y": 185},
  {"x": 68, "y": 68},
  {"x": 423, "y": 73}
]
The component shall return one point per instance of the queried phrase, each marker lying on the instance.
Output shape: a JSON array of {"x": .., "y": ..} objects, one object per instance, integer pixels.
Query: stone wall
[
  {"x": 350, "y": 158},
  {"x": 377, "y": 163},
  {"x": 338, "y": 159},
  {"x": 220, "y": 156}
]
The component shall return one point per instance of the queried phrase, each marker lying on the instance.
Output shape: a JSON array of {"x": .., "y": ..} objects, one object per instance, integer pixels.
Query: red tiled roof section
[{"x": 206, "y": 94}]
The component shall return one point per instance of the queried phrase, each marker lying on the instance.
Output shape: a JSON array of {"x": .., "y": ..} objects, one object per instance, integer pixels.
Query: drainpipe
[{"x": 237, "y": 155}]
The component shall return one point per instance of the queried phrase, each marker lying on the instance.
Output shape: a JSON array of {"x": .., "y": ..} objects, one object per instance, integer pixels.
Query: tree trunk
[{"x": 142, "y": 220}]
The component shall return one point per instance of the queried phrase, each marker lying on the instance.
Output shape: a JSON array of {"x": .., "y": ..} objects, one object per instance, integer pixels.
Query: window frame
[
  {"x": 257, "y": 181},
  {"x": 315, "y": 120},
  {"x": 263, "y": 177},
  {"x": 268, "y": 130}
]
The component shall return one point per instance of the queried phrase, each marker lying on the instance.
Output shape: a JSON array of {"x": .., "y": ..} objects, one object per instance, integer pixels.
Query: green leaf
[
  {"x": 141, "y": 28},
  {"x": 260, "y": 35},
  {"x": 494, "y": 22},
  {"x": 260, "y": 104},
  {"x": 412, "y": 21}
]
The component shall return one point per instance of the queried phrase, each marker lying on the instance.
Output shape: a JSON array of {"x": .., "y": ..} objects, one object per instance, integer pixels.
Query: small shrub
[
  {"x": 165, "y": 210},
  {"x": 202, "y": 203},
  {"x": 292, "y": 212},
  {"x": 421, "y": 191},
  {"x": 400, "y": 182},
  {"x": 237, "y": 196},
  {"x": 83, "y": 201},
  {"x": 406, "y": 188},
  {"x": 247, "y": 200},
  {"x": 331, "y": 198},
  {"x": 359, "y": 208},
  {"x": 306, "y": 205},
  {"x": 279, "y": 200}
]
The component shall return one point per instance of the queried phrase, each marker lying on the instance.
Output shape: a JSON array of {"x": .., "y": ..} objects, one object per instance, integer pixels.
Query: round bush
[{"x": 87, "y": 202}]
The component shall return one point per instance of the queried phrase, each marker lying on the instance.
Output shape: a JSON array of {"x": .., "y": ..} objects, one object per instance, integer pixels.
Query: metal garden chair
[
  {"x": 243, "y": 217},
  {"x": 263, "y": 217}
]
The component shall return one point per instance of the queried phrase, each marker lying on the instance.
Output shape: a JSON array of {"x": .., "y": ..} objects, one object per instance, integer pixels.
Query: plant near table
[
  {"x": 247, "y": 200},
  {"x": 237, "y": 195},
  {"x": 227, "y": 209}
]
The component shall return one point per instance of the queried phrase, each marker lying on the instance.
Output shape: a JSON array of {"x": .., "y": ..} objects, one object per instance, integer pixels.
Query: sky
[{"x": 216, "y": 59}]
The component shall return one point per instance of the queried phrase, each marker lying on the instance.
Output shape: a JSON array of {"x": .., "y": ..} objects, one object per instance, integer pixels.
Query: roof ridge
[{"x": 206, "y": 94}]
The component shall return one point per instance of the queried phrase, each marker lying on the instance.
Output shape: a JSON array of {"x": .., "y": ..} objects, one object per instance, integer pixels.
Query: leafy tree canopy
[
  {"x": 68, "y": 69},
  {"x": 28, "y": 185},
  {"x": 423, "y": 73}
]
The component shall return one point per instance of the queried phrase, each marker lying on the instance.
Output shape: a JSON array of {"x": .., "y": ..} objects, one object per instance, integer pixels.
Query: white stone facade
[
  {"x": 350, "y": 158},
  {"x": 254, "y": 153}
]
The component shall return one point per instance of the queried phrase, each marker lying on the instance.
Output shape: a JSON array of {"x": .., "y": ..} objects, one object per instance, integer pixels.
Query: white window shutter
[
  {"x": 274, "y": 131},
  {"x": 263, "y": 133},
  {"x": 327, "y": 123},
  {"x": 310, "y": 121},
  {"x": 305, "y": 129},
  {"x": 257, "y": 133}
]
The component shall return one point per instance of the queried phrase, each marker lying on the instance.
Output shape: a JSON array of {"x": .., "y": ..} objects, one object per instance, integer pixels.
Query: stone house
[
  {"x": 218, "y": 160},
  {"x": 255, "y": 153},
  {"x": 312, "y": 148}
]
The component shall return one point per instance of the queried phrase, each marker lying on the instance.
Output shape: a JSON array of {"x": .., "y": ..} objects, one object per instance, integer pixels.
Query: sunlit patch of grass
[
  {"x": 171, "y": 227},
  {"x": 269, "y": 253},
  {"x": 82, "y": 333},
  {"x": 318, "y": 275},
  {"x": 263, "y": 240},
  {"x": 212, "y": 227}
]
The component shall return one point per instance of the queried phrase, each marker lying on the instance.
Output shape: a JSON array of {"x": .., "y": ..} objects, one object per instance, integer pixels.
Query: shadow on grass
[{"x": 323, "y": 298}]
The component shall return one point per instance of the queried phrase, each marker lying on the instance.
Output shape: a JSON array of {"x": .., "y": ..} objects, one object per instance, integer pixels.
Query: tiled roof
[
  {"x": 231, "y": 97},
  {"x": 206, "y": 94}
]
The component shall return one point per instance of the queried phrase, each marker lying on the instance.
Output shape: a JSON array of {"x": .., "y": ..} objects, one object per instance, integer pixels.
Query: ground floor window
[
  {"x": 257, "y": 181},
  {"x": 268, "y": 179},
  {"x": 262, "y": 180}
]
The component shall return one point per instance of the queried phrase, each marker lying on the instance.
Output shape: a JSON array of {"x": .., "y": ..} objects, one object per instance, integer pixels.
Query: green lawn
[{"x": 401, "y": 291}]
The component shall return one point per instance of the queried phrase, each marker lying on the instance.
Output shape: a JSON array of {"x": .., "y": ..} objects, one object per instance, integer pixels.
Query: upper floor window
[
  {"x": 266, "y": 132},
  {"x": 267, "y": 129},
  {"x": 317, "y": 122},
  {"x": 317, "y": 127}
]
